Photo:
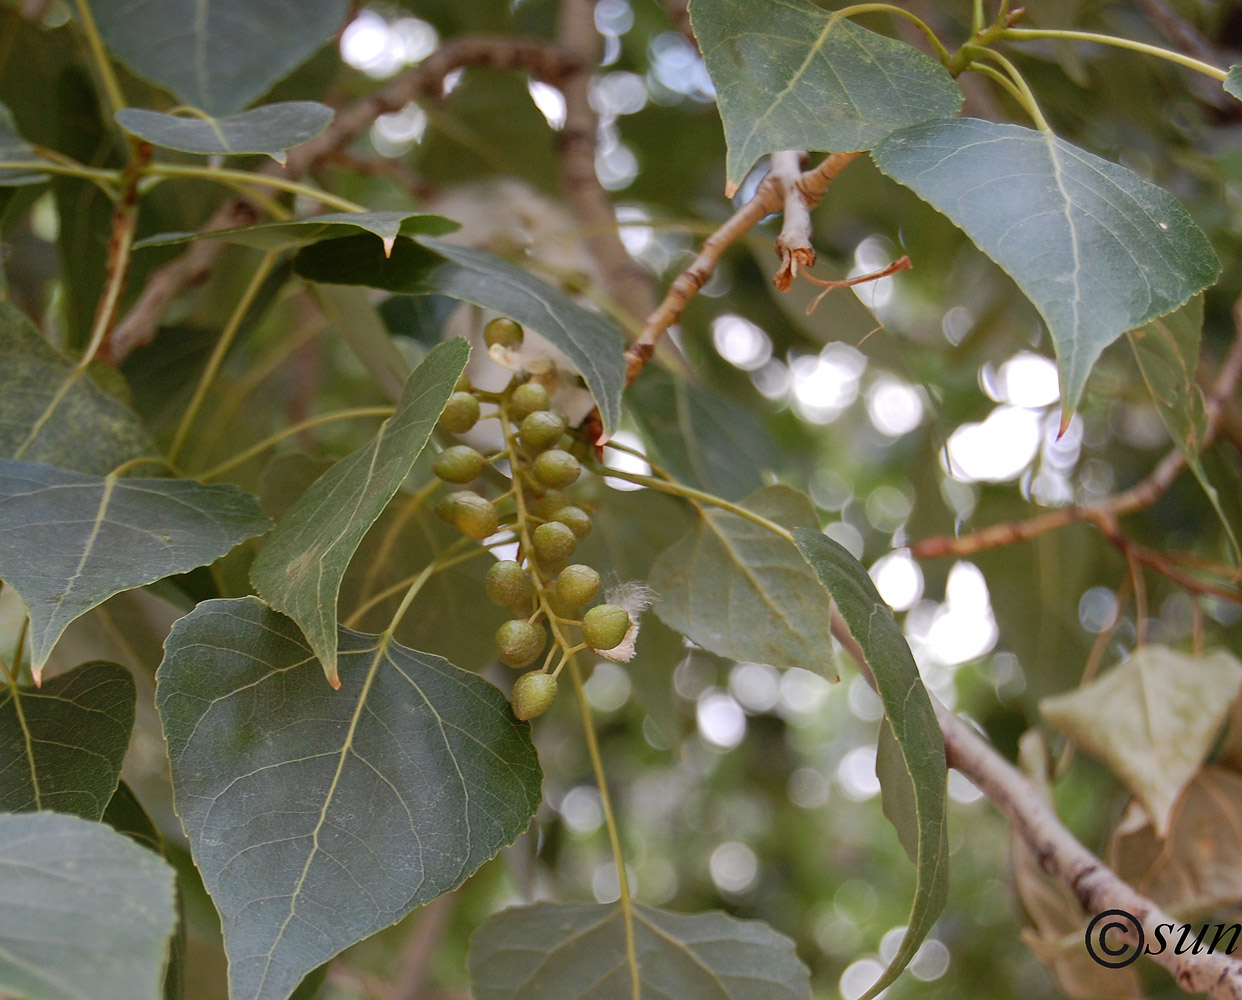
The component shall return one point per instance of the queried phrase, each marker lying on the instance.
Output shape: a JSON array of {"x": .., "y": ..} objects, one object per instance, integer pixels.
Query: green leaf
[
  {"x": 1167, "y": 352},
  {"x": 553, "y": 951},
  {"x": 1096, "y": 248},
  {"x": 61, "y": 746},
  {"x": 269, "y": 128},
  {"x": 69, "y": 541},
  {"x": 897, "y": 798},
  {"x": 276, "y": 236},
  {"x": 1164, "y": 711},
  {"x": 790, "y": 75},
  {"x": 87, "y": 912},
  {"x": 13, "y": 148},
  {"x": 217, "y": 55},
  {"x": 318, "y": 817},
  {"x": 591, "y": 342},
  {"x": 46, "y": 404},
  {"x": 703, "y": 439},
  {"x": 914, "y": 728},
  {"x": 740, "y": 590},
  {"x": 1233, "y": 82},
  {"x": 300, "y": 568}
]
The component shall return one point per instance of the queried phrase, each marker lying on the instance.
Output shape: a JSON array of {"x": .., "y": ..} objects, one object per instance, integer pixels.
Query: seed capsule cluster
[{"x": 543, "y": 591}]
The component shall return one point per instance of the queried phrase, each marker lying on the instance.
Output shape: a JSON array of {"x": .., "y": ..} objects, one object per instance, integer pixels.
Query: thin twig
[{"x": 793, "y": 245}]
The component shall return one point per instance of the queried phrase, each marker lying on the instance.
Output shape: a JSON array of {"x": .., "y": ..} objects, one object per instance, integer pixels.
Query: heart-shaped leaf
[
  {"x": 1096, "y": 248},
  {"x": 276, "y": 236},
  {"x": 217, "y": 55},
  {"x": 300, "y": 568},
  {"x": 69, "y": 541},
  {"x": 559, "y": 952},
  {"x": 590, "y": 342},
  {"x": 61, "y": 746},
  {"x": 1167, "y": 352},
  {"x": 318, "y": 817},
  {"x": 269, "y": 128},
  {"x": 914, "y": 728},
  {"x": 1164, "y": 710},
  {"x": 740, "y": 590},
  {"x": 87, "y": 912},
  {"x": 790, "y": 75},
  {"x": 45, "y": 402},
  {"x": 15, "y": 149}
]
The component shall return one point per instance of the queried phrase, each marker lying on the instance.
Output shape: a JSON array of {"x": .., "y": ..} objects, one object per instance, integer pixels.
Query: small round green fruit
[
  {"x": 541, "y": 430},
  {"x": 576, "y": 519},
  {"x": 503, "y": 331},
  {"x": 553, "y": 542},
  {"x": 519, "y": 642},
  {"x": 533, "y": 694},
  {"x": 459, "y": 464},
  {"x": 605, "y": 626},
  {"x": 528, "y": 398},
  {"x": 507, "y": 585},
  {"x": 577, "y": 585},
  {"x": 461, "y": 412},
  {"x": 557, "y": 469},
  {"x": 548, "y": 505},
  {"x": 473, "y": 516}
]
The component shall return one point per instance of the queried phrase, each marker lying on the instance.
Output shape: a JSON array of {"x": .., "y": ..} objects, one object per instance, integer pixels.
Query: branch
[
  {"x": 1104, "y": 513},
  {"x": 426, "y": 80},
  {"x": 1059, "y": 853},
  {"x": 794, "y": 243}
]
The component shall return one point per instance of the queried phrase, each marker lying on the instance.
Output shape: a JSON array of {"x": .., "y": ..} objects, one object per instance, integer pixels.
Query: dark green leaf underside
[
  {"x": 15, "y": 149},
  {"x": 300, "y": 568},
  {"x": 591, "y": 342},
  {"x": 61, "y": 749},
  {"x": 1097, "y": 249},
  {"x": 913, "y": 724},
  {"x": 564, "y": 952},
  {"x": 269, "y": 128},
  {"x": 318, "y": 817},
  {"x": 217, "y": 55},
  {"x": 1233, "y": 82},
  {"x": 740, "y": 590},
  {"x": 275, "y": 236},
  {"x": 69, "y": 541},
  {"x": 790, "y": 75},
  {"x": 87, "y": 912}
]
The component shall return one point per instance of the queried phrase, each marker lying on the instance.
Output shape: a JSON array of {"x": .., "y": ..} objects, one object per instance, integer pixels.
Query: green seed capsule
[
  {"x": 461, "y": 412},
  {"x": 469, "y": 513},
  {"x": 458, "y": 464},
  {"x": 576, "y": 519},
  {"x": 557, "y": 468},
  {"x": 533, "y": 694},
  {"x": 507, "y": 585},
  {"x": 519, "y": 642},
  {"x": 528, "y": 398},
  {"x": 504, "y": 332},
  {"x": 548, "y": 505},
  {"x": 577, "y": 585},
  {"x": 604, "y": 626},
  {"x": 553, "y": 542},
  {"x": 541, "y": 430}
]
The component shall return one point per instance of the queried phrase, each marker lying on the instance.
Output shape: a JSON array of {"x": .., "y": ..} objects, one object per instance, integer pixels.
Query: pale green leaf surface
[
  {"x": 300, "y": 568},
  {"x": 897, "y": 798},
  {"x": 52, "y": 412},
  {"x": 1163, "y": 709},
  {"x": 277, "y": 236},
  {"x": 1097, "y": 249},
  {"x": 1167, "y": 352},
  {"x": 592, "y": 343},
  {"x": 1233, "y": 82},
  {"x": 269, "y": 128},
  {"x": 15, "y": 149},
  {"x": 319, "y": 817},
  {"x": 217, "y": 55},
  {"x": 740, "y": 590},
  {"x": 791, "y": 75},
  {"x": 915, "y": 731},
  {"x": 565, "y": 952},
  {"x": 69, "y": 541},
  {"x": 702, "y": 438},
  {"x": 87, "y": 913},
  {"x": 61, "y": 748}
]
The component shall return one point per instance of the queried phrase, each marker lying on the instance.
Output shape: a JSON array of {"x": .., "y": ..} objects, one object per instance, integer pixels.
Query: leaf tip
[
  {"x": 334, "y": 678},
  {"x": 389, "y": 243},
  {"x": 279, "y": 156},
  {"x": 730, "y": 189}
]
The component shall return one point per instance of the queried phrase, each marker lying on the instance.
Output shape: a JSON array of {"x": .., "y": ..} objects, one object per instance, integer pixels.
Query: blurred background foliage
[{"x": 923, "y": 405}]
